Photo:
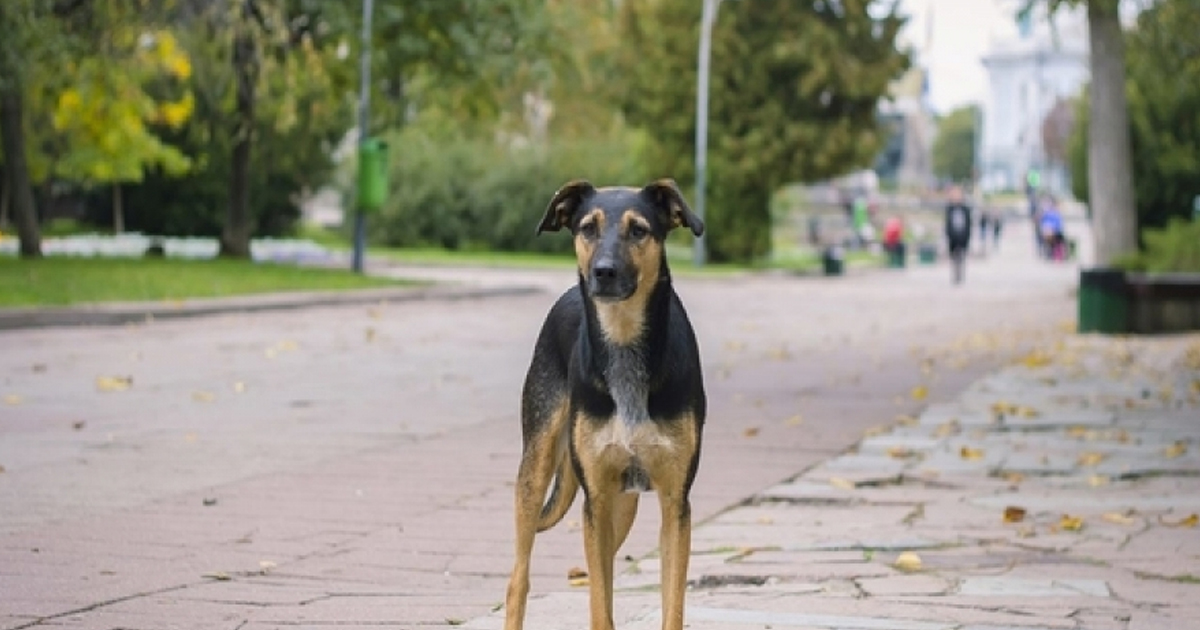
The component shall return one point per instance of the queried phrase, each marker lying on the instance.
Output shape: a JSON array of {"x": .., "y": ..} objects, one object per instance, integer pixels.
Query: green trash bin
[
  {"x": 372, "y": 174},
  {"x": 1103, "y": 301},
  {"x": 833, "y": 260},
  {"x": 896, "y": 256},
  {"x": 927, "y": 253}
]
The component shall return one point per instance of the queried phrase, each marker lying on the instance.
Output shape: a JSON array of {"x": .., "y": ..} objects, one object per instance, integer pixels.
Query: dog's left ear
[
  {"x": 665, "y": 196},
  {"x": 564, "y": 204}
]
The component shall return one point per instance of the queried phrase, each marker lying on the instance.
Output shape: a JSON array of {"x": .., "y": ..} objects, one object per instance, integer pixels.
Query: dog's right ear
[{"x": 564, "y": 204}]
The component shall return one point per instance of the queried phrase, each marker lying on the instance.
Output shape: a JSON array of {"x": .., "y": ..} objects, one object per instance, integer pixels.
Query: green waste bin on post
[
  {"x": 1103, "y": 307},
  {"x": 372, "y": 174}
]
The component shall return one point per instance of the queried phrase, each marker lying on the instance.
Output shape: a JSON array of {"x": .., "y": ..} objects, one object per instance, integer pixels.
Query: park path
[{"x": 351, "y": 466}]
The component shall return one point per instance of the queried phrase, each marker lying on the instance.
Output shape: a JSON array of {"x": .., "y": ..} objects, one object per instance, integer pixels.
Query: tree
[
  {"x": 1110, "y": 161},
  {"x": 27, "y": 26},
  {"x": 1163, "y": 91},
  {"x": 954, "y": 148},
  {"x": 795, "y": 88},
  {"x": 106, "y": 113}
]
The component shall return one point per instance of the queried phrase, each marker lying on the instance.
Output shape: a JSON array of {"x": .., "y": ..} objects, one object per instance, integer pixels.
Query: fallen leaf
[
  {"x": 1189, "y": 521},
  {"x": 908, "y": 561},
  {"x": 2, "y": 469},
  {"x": 1175, "y": 450},
  {"x": 795, "y": 421},
  {"x": 209, "y": 501},
  {"x": 1026, "y": 412},
  {"x": 766, "y": 520},
  {"x": 1077, "y": 431},
  {"x": 1118, "y": 518},
  {"x": 907, "y": 421},
  {"x": 288, "y": 345},
  {"x": 970, "y": 454},
  {"x": 750, "y": 432},
  {"x": 370, "y": 334},
  {"x": 900, "y": 452},
  {"x": 1036, "y": 359},
  {"x": 455, "y": 621},
  {"x": 1013, "y": 514},
  {"x": 1090, "y": 459},
  {"x": 583, "y": 581},
  {"x": 1070, "y": 523},
  {"x": 265, "y": 566},
  {"x": 239, "y": 387},
  {"x": 1096, "y": 481},
  {"x": 12, "y": 399},
  {"x": 842, "y": 483},
  {"x": 114, "y": 383},
  {"x": 217, "y": 575},
  {"x": 1014, "y": 477},
  {"x": 920, "y": 392},
  {"x": 78, "y": 425},
  {"x": 574, "y": 573},
  {"x": 203, "y": 397}
]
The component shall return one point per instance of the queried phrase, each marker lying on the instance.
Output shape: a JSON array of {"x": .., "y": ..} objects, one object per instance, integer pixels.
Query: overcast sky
[{"x": 962, "y": 30}]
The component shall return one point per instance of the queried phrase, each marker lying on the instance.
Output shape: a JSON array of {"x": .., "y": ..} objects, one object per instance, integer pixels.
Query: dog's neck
[{"x": 619, "y": 338}]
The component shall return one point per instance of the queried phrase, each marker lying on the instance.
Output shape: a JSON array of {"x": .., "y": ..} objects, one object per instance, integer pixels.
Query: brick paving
[{"x": 351, "y": 466}]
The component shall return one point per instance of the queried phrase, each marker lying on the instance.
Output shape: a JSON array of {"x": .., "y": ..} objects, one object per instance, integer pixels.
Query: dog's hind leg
[{"x": 538, "y": 461}]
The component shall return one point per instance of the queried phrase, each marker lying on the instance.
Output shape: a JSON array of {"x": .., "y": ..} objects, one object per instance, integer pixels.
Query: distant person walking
[
  {"x": 1050, "y": 225},
  {"x": 958, "y": 232}
]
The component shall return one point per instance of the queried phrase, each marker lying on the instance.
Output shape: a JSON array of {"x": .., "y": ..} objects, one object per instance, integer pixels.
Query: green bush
[
  {"x": 464, "y": 192},
  {"x": 1175, "y": 248}
]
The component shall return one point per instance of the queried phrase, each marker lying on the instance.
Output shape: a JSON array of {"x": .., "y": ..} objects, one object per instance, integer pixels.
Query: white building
[{"x": 1028, "y": 73}]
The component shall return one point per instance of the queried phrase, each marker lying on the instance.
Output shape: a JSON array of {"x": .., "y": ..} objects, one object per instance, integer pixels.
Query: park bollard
[
  {"x": 833, "y": 260},
  {"x": 372, "y": 175}
]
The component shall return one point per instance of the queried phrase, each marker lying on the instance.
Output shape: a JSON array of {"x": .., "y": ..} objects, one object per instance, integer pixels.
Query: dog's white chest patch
[{"x": 626, "y": 376}]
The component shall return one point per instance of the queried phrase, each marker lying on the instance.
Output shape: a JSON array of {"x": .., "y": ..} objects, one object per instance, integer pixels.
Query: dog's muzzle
[{"x": 609, "y": 284}]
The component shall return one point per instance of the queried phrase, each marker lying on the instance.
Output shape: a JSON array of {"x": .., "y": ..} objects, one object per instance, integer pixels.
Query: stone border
[{"x": 118, "y": 313}]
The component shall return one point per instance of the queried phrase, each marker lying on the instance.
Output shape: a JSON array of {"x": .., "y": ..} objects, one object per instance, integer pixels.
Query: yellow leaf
[
  {"x": 575, "y": 573},
  {"x": 970, "y": 454},
  {"x": 841, "y": 483},
  {"x": 1036, "y": 359},
  {"x": 1118, "y": 518},
  {"x": 919, "y": 392},
  {"x": 795, "y": 421},
  {"x": 1070, "y": 523},
  {"x": 12, "y": 399},
  {"x": 1013, "y": 514},
  {"x": 1096, "y": 481},
  {"x": 1175, "y": 450},
  {"x": 1026, "y": 412},
  {"x": 114, "y": 383},
  {"x": 900, "y": 452},
  {"x": 908, "y": 561},
  {"x": 1190, "y": 521},
  {"x": 1014, "y": 477},
  {"x": 204, "y": 397},
  {"x": 1090, "y": 459}
]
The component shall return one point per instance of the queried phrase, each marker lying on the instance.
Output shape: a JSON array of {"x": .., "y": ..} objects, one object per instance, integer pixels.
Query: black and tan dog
[{"x": 614, "y": 398}]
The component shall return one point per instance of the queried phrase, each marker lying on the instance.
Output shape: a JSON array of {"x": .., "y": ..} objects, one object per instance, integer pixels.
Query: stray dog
[{"x": 614, "y": 398}]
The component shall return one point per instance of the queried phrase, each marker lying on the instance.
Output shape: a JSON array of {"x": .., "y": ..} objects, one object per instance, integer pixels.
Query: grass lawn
[{"x": 58, "y": 281}]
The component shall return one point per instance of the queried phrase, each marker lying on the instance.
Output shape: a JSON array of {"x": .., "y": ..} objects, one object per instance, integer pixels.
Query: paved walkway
[{"x": 350, "y": 466}]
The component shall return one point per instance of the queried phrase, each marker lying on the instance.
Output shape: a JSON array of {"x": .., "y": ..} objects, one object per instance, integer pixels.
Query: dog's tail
[{"x": 562, "y": 494}]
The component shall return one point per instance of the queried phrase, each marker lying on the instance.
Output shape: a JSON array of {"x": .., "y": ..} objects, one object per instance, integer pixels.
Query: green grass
[
  {"x": 60, "y": 281},
  {"x": 437, "y": 256}
]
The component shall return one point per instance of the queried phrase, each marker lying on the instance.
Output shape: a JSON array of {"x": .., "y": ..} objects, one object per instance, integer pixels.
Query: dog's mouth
[{"x": 611, "y": 291}]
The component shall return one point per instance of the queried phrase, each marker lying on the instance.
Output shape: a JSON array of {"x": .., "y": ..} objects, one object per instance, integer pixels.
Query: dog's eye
[
  {"x": 637, "y": 231},
  {"x": 588, "y": 230}
]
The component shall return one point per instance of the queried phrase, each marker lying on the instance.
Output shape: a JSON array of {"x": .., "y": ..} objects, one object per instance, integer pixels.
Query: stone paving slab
[{"x": 1077, "y": 517}]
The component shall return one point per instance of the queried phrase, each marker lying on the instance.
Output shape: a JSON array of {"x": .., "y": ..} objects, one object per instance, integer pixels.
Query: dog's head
[{"x": 619, "y": 232}]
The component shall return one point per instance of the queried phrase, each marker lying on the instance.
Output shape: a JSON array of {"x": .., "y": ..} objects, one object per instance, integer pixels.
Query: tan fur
[
  {"x": 622, "y": 322},
  {"x": 585, "y": 249},
  {"x": 665, "y": 451}
]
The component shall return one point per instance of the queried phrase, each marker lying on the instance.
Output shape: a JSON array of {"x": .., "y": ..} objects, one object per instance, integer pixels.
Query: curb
[{"x": 119, "y": 313}]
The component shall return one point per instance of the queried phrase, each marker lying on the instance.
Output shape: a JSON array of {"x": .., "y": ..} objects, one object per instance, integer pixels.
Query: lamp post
[
  {"x": 364, "y": 99},
  {"x": 707, "y": 18}
]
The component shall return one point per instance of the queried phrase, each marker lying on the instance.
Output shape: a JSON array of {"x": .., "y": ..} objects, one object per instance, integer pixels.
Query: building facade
[{"x": 1030, "y": 72}]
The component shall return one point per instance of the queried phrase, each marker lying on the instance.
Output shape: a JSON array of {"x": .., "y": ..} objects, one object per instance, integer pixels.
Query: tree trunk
[
  {"x": 118, "y": 210},
  {"x": 16, "y": 170},
  {"x": 235, "y": 238},
  {"x": 1110, "y": 165}
]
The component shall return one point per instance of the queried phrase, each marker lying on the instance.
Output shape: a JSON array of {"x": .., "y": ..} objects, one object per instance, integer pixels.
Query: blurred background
[{"x": 212, "y": 125}]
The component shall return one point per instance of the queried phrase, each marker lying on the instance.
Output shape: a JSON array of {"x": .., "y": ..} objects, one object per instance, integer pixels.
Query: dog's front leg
[
  {"x": 599, "y": 545},
  {"x": 675, "y": 544}
]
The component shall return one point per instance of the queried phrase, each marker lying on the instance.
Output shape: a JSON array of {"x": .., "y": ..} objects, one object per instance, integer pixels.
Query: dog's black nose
[{"x": 605, "y": 270}]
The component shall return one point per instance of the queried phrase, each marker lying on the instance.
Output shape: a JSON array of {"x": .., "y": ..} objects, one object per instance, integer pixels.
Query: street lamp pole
[
  {"x": 364, "y": 99},
  {"x": 708, "y": 16}
]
